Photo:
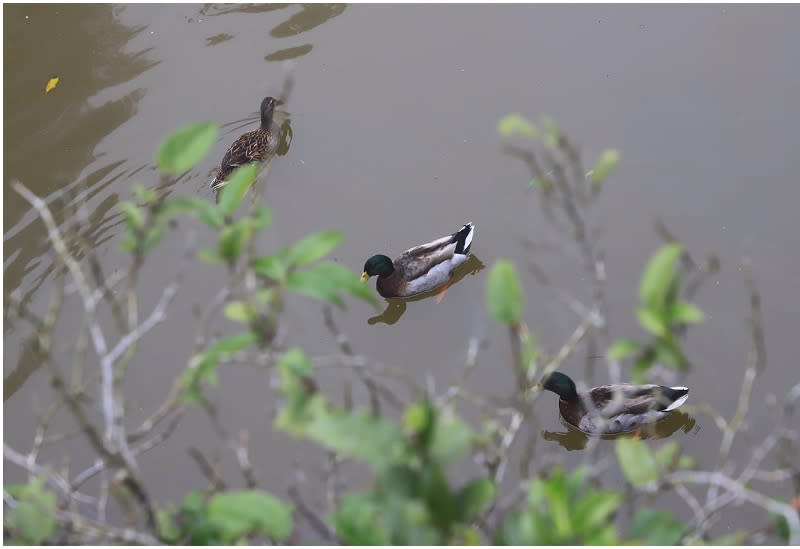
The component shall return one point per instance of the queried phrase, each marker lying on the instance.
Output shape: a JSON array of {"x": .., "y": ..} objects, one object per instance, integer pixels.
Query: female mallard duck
[
  {"x": 254, "y": 146},
  {"x": 625, "y": 407},
  {"x": 421, "y": 268}
]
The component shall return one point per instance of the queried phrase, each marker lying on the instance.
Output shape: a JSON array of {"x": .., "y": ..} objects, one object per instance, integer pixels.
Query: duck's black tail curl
[{"x": 463, "y": 238}]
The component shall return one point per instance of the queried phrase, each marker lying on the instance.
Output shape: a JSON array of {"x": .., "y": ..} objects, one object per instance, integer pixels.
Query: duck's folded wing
[
  {"x": 630, "y": 398},
  {"x": 417, "y": 261},
  {"x": 248, "y": 148}
]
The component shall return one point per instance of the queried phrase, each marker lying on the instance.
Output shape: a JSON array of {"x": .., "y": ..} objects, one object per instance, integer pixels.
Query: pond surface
[{"x": 393, "y": 116}]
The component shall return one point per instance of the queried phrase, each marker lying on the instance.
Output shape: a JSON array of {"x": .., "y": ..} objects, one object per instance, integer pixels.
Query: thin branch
[
  {"x": 739, "y": 490},
  {"x": 93, "y": 529},
  {"x": 55, "y": 480}
]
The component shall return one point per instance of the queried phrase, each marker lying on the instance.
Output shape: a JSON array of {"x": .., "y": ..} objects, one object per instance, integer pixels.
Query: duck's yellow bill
[{"x": 364, "y": 276}]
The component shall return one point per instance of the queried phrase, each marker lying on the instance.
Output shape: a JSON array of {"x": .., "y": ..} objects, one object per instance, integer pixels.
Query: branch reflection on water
[
  {"x": 574, "y": 439},
  {"x": 396, "y": 307}
]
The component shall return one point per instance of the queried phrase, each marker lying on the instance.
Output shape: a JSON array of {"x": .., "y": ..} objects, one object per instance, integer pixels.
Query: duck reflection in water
[
  {"x": 396, "y": 307},
  {"x": 575, "y": 439}
]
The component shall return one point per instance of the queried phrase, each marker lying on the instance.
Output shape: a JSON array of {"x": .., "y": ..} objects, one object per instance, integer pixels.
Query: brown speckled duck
[
  {"x": 421, "y": 268},
  {"x": 254, "y": 146},
  {"x": 635, "y": 406}
]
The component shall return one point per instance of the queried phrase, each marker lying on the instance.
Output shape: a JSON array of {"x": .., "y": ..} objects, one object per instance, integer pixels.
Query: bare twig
[
  {"x": 55, "y": 480},
  {"x": 344, "y": 345},
  {"x": 94, "y": 529},
  {"x": 207, "y": 469},
  {"x": 740, "y": 491}
]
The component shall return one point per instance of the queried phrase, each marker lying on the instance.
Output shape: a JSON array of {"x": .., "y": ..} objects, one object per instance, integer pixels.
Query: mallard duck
[
  {"x": 254, "y": 146},
  {"x": 634, "y": 405},
  {"x": 422, "y": 268}
]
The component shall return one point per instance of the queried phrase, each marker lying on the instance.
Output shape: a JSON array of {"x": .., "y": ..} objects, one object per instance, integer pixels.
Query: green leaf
[
  {"x": 601, "y": 536},
  {"x": 234, "y": 190},
  {"x": 356, "y": 521},
  {"x": 153, "y": 237},
  {"x": 473, "y": 498},
  {"x": 239, "y": 311},
  {"x": 623, "y": 348},
  {"x": 604, "y": 166},
  {"x": 419, "y": 418},
  {"x": 347, "y": 281},
  {"x": 643, "y": 363},
  {"x": 670, "y": 354},
  {"x": 273, "y": 267},
  {"x": 262, "y": 217},
  {"x": 468, "y": 536},
  {"x": 594, "y": 509},
  {"x": 295, "y": 369},
  {"x": 129, "y": 240},
  {"x": 233, "y": 239},
  {"x": 167, "y": 529},
  {"x": 358, "y": 435},
  {"x": 552, "y": 131},
  {"x": 781, "y": 526},
  {"x": 314, "y": 283},
  {"x": 682, "y": 312},
  {"x": 438, "y": 497},
  {"x": 194, "y": 523},
  {"x": 653, "y": 322},
  {"x": 325, "y": 281},
  {"x": 656, "y": 528},
  {"x": 313, "y": 247},
  {"x": 658, "y": 275},
  {"x": 197, "y": 207},
  {"x": 144, "y": 195},
  {"x": 452, "y": 437},
  {"x": 515, "y": 124},
  {"x": 210, "y": 256},
  {"x": 667, "y": 454},
  {"x": 739, "y": 537},
  {"x": 636, "y": 461},
  {"x": 202, "y": 367},
  {"x": 555, "y": 490},
  {"x": 33, "y": 520},
  {"x": 294, "y": 362},
  {"x": 232, "y": 344},
  {"x": 504, "y": 293},
  {"x": 134, "y": 215},
  {"x": 249, "y": 512},
  {"x": 185, "y": 147}
]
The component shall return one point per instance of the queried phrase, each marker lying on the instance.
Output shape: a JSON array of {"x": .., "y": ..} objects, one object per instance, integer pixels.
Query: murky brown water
[{"x": 393, "y": 116}]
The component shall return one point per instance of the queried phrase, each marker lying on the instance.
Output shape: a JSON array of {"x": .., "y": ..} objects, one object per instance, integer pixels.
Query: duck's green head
[
  {"x": 377, "y": 265},
  {"x": 560, "y": 384}
]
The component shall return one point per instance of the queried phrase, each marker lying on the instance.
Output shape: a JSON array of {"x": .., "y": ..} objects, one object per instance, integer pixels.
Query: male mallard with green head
[
  {"x": 625, "y": 407},
  {"x": 254, "y": 146},
  {"x": 421, "y": 268}
]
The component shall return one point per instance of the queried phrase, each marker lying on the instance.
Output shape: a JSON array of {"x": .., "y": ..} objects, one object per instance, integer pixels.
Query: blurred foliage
[
  {"x": 413, "y": 501},
  {"x": 504, "y": 293},
  {"x": 561, "y": 510},
  {"x": 412, "y": 497},
  {"x": 661, "y": 312},
  {"x": 32, "y": 521}
]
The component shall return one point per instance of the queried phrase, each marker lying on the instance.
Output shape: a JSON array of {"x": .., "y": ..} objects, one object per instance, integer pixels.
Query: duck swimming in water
[
  {"x": 617, "y": 408},
  {"x": 254, "y": 146},
  {"x": 421, "y": 268}
]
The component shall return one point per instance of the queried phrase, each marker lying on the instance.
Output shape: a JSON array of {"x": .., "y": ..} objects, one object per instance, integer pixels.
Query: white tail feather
[
  {"x": 680, "y": 400},
  {"x": 468, "y": 239}
]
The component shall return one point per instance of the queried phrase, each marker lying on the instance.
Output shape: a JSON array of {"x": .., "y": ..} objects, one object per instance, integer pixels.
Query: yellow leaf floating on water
[{"x": 51, "y": 84}]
